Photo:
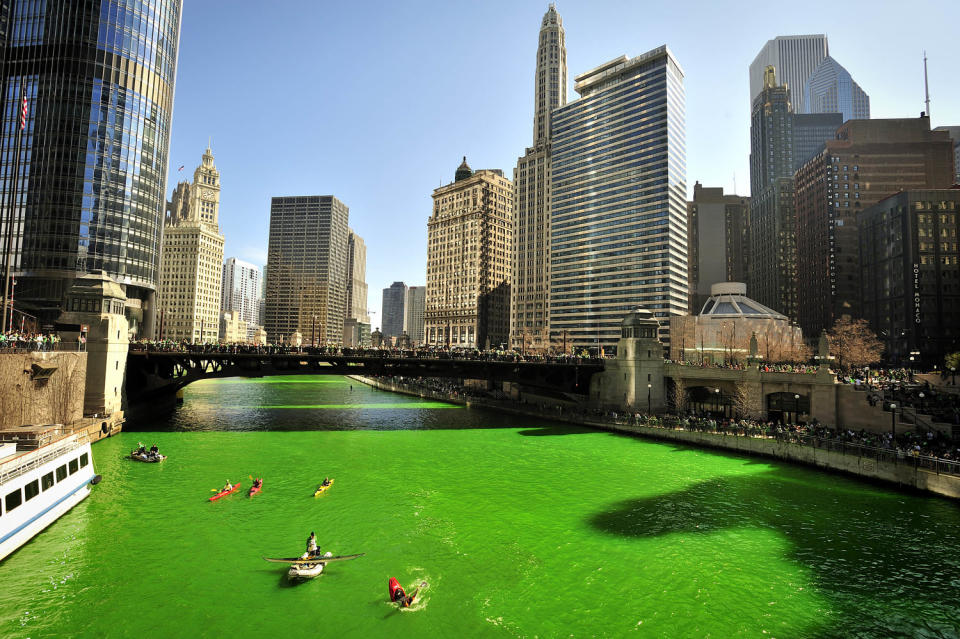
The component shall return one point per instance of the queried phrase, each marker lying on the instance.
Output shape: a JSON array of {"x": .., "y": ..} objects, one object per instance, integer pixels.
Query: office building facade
[
  {"x": 307, "y": 269},
  {"x": 469, "y": 240},
  {"x": 954, "y": 132},
  {"x": 98, "y": 78},
  {"x": 867, "y": 161},
  {"x": 830, "y": 89},
  {"x": 393, "y": 307},
  {"x": 191, "y": 264},
  {"x": 530, "y": 270},
  {"x": 718, "y": 241},
  {"x": 910, "y": 274},
  {"x": 794, "y": 58},
  {"x": 357, "y": 278},
  {"x": 618, "y": 227},
  {"x": 242, "y": 284}
]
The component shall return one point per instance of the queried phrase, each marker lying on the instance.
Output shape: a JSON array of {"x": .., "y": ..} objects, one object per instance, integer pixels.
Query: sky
[{"x": 376, "y": 103}]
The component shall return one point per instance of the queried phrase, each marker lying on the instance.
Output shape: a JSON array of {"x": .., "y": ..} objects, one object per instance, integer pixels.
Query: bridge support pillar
[{"x": 633, "y": 381}]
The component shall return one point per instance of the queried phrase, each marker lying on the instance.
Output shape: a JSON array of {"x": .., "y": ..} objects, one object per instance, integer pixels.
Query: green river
[{"x": 520, "y": 528}]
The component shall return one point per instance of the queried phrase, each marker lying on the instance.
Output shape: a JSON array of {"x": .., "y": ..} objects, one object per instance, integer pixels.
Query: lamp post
[
  {"x": 716, "y": 392},
  {"x": 893, "y": 423},
  {"x": 921, "y": 396},
  {"x": 953, "y": 375},
  {"x": 796, "y": 407},
  {"x": 313, "y": 332},
  {"x": 649, "y": 388}
]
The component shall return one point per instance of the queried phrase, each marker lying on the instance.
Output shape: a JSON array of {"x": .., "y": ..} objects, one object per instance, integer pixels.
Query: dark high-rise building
[
  {"x": 98, "y": 77},
  {"x": 954, "y": 132},
  {"x": 718, "y": 241},
  {"x": 867, "y": 161},
  {"x": 810, "y": 133},
  {"x": 910, "y": 274},
  {"x": 394, "y": 310},
  {"x": 530, "y": 254},
  {"x": 307, "y": 269}
]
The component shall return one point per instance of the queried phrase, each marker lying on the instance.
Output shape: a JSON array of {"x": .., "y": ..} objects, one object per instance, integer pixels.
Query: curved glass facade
[{"x": 99, "y": 78}]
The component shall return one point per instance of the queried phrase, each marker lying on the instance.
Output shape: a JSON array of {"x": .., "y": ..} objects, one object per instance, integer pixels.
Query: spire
[
  {"x": 550, "y": 80},
  {"x": 463, "y": 171}
]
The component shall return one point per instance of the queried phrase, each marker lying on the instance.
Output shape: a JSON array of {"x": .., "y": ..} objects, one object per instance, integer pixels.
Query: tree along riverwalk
[{"x": 931, "y": 474}]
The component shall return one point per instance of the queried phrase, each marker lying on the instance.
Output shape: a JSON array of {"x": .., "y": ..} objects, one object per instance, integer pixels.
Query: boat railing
[{"x": 24, "y": 463}]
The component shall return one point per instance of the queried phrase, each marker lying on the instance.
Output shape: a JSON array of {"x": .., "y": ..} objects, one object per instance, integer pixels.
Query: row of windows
[{"x": 14, "y": 499}]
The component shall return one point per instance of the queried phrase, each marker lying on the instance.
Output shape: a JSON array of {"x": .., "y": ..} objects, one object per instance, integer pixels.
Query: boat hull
[{"x": 304, "y": 571}]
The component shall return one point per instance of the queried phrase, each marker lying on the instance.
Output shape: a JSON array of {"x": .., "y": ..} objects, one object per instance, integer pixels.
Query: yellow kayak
[{"x": 322, "y": 488}]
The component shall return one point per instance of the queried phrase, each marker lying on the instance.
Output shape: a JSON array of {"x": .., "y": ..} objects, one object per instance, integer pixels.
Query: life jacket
[{"x": 396, "y": 590}]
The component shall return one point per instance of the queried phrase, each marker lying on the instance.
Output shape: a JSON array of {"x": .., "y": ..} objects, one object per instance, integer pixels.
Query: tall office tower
[
  {"x": 357, "y": 278},
  {"x": 954, "y": 132},
  {"x": 866, "y": 162},
  {"x": 393, "y": 309},
  {"x": 99, "y": 82},
  {"x": 468, "y": 261},
  {"x": 718, "y": 241},
  {"x": 795, "y": 58},
  {"x": 910, "y": 274},
  {"x": 618, "y": 213},
  {"x": 414, "y": 309},
  {"x": 530, "y": 270},
  {"x": 191, "y": 265},
  {"x": 307, "y": 269},
  {"x": 779, "y": 142},
  {"x": 242, "y": 283},
  {"x": 830, "y": 89}
]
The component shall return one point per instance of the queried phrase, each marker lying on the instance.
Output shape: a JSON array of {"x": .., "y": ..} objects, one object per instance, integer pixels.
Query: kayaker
[
  {"x": 228, "y": 486},
  {"x": 154, "y": 449},
  {"x": 312, "y": 549},
  {"x": 397, "y": 595},
  {"x": 257, "y": 482},
  {"x": 141, "y": 449},
  {"x": 326, "y": 481}
]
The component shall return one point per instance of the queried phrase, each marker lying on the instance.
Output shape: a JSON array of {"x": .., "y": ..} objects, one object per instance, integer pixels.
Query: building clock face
[{"x": 208, "y": 195}]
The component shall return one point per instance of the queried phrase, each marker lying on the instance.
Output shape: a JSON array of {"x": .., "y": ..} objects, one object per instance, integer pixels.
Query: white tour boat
[{"x": 38, "y": 486}]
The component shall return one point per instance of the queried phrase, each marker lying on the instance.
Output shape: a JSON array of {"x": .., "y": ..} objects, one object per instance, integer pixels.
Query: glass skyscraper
[
  {"x": 830, "y": 89},
  {"x": 618, "y": 236},
  {"x": 99, "y": 81}
]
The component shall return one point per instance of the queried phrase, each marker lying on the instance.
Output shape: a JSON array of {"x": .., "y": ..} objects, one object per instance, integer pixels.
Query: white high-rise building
[
  {"x": 794, "y": 59},
  {"x": 191, "y": 263},
  {"x": 413, "y": 312},
  {"x": 242, "y": 284},
  {"x": 618, "y": 210}
]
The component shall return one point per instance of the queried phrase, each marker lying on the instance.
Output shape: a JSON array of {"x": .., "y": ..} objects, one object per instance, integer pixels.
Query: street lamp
[
  {"x": 893, "y": 423},
  {"x": 921, "y": 396},
  {"x": 796, "y": 407},
  {"x": 649, "y": 387},
  {"x": 953, "y": 375},
  {"x": 717, "y": 397}
]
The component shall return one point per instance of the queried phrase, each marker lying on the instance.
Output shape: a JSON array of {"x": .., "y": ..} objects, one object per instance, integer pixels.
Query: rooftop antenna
[
  {"x": 926, "y": 86},
  {"x": 734, "y": 182}
]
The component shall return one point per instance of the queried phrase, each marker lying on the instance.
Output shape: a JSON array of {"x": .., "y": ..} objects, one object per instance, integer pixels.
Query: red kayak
[
  {"x": 224, "y": 493},
  {"x": 256, "y": 488},
  {"x": 398, "y": 596}
]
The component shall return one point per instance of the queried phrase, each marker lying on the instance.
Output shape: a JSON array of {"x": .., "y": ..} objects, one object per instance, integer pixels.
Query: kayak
[
  {"x": 309, "y": 568},
  {"x": 224, "y": 493},
  {"x": 322, "y": 489},
  {"x": 312, "y": 560},
  {"x": 398, "y": 596},
  {"x": 255, "y": 489}
]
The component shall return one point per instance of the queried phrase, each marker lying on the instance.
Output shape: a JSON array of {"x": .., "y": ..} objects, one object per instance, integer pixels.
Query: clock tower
[{"x": 205, "y": 193}]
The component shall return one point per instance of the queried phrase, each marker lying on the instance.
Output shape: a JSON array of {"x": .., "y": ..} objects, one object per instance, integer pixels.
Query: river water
[{"x": 520, "y": 528}]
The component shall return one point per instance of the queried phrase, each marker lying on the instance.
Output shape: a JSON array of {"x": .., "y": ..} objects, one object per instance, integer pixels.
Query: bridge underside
[{"x": 153, "y": 375}]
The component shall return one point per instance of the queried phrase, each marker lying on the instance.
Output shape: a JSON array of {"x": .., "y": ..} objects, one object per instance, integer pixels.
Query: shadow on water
[
  {"x": 556, "y": 429},
  {"x": 877, "y": 555}
]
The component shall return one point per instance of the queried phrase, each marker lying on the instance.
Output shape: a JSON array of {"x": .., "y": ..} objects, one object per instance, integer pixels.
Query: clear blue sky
[{"x": 377, "y": 102}]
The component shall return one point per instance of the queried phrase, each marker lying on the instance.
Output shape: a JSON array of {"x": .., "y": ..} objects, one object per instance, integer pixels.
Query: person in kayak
[
  {"x": 227, "y": 486},
  {"x": 312, "y": 549},
  {"x": 257, "y": 483},
  {"x": 141, "y": 449},
  {"x": 326, "y": 481},
  {"x": 397, "y": 595}
]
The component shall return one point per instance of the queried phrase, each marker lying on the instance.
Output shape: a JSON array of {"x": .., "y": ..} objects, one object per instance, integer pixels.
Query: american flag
[
  {"x": 23, "y": 111},
  {"x": 181, "y": 167}
]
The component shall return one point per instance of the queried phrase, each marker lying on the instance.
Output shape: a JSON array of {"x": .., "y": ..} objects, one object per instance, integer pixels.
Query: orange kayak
[
  {"x": 255, "y": 489},
  {"x": 224, "y": 493}
]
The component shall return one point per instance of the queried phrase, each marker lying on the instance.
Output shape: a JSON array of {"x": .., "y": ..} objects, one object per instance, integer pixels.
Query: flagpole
[{"x": 11, "y": 206}]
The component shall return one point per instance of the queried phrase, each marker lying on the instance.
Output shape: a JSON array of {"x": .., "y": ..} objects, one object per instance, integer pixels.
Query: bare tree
[
  {"x": 679, "y": 396},
  {"x": 746, "y": 401},
  {"x": 853, "y": 343}
]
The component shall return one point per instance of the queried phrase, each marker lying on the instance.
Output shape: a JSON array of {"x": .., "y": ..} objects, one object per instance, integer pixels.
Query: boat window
[
  {"x": 84, "y": 460},
  {"x": 47, "y": 480},
  {"x": 62, "y": 473},
  {"x": 31, "y": 490},
  {"x": 13, "y": 499},
  {"x": 74, "y": 465}
]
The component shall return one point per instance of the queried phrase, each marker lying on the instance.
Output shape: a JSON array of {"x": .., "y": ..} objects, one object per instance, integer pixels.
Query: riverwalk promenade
[{"x": 889, "y": 465}]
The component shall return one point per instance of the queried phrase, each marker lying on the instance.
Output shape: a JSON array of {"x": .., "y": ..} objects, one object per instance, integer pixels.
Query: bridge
[{"x": 153, "y": 374}]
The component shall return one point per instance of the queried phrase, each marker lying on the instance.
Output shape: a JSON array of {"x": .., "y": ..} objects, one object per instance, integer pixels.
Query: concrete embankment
[{"x": 903, "y": 473}]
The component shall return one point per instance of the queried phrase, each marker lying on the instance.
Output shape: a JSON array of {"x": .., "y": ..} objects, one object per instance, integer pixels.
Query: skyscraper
[
  {"x": 394, "y": 310},
  {"x": 718, "y": 241},
  {"x": 99, "y": 81},
  {"x": 468, "y": 260},
  {"x": 530, "y": 276},
  {"x": 357, "y": 278},
  {"x": 618, "y": 231},
  {"x": 830, "y": 89},
  {"x": 307, "y": 269},
  {"x": 242, "y": 283},
  {"x": 794, "y": 58},
  {"x": 413, "y": 312},
  {"x": 867, "y": 161},
  {"x": 191, "y": 275}
]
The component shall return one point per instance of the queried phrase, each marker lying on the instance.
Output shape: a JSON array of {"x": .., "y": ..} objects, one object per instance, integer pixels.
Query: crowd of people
[{"x": 26, "y": 341}]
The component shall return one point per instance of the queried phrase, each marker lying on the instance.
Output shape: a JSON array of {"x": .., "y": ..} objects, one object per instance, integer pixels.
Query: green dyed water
[{"x": 520, "y": 528}]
